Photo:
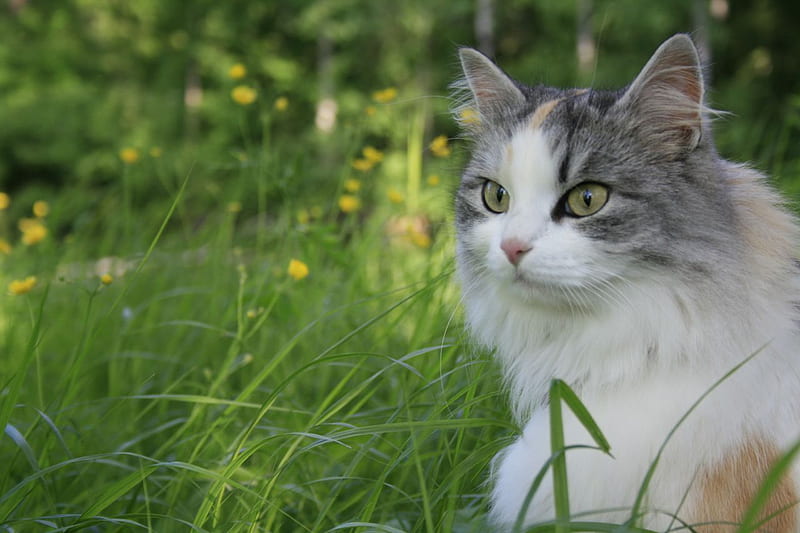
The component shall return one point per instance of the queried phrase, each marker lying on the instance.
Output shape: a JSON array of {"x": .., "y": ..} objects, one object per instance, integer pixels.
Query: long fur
[{"x": 688, "y": 270}]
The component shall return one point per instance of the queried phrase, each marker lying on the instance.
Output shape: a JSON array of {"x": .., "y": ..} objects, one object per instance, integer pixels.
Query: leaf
[{"x": 584, "y": 417}]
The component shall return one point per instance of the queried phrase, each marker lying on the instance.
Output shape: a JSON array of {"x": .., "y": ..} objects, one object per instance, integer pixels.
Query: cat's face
[{"x": 572, "y": 195}]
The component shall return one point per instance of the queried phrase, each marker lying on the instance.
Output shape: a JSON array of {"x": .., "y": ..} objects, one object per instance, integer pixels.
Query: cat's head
[{"x": 571, "y": 194}]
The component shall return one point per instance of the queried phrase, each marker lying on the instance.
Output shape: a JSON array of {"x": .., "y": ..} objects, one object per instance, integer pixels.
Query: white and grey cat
[{"x": 602, "y": 240}]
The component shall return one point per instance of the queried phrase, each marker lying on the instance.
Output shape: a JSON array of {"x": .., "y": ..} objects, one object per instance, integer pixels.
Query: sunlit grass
[
  {"x": 270, "y": 361},
  {"x": 271, "y": 341}
]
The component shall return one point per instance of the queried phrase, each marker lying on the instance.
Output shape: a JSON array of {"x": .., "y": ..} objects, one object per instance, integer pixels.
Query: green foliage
[{"x": 201, "y": 386}]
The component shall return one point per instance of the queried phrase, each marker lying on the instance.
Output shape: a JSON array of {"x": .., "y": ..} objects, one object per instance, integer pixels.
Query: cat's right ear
[{"x": 491, "y": 94}]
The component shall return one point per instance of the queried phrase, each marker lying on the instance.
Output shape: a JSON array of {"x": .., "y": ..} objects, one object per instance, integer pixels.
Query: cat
[{"x": 603, "y": 241}]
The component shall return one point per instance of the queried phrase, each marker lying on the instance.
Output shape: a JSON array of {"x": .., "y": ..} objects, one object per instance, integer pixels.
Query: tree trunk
[
  {"x": 585, "y": 42},
  {"x": 325, "y": 119},
  {"x": 484, "y": 26},
  {"x": 700, "y": 36}
]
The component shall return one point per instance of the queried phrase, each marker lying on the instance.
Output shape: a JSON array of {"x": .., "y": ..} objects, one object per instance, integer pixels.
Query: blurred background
[{"x": 81, "y": 80}]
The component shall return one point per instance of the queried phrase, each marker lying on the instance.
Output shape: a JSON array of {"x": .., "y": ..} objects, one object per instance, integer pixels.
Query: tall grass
[{"x": 206, "y": 389}]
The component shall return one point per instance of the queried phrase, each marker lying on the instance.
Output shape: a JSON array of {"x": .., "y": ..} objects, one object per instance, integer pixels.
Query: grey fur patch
[{"x": 650, "y": 143}]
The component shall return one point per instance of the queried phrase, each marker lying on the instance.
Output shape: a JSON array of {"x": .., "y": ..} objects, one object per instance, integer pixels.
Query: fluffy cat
[{"x": 602, "y": 240}]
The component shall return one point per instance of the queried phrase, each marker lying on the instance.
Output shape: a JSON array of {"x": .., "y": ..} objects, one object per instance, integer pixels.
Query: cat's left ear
[{"x": 667, "y": 96}]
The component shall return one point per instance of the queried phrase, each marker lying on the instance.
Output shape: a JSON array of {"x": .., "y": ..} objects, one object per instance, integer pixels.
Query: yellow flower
[
  {"x": 106, "y": 279},
  {"x": 372, "y": 154},
  {"x": 237, "y": 71},
  {"x": 349, "y": 203},
  {"x": 281, "y": 104},
  {"x": 5, "y": 248},
  {"x": 21, "y": 286},
  {"x": 363, "y": 164},
  {"x": 303, "y": 216},
  {"x": 33, "y": 231},
  {"x": 395, "y": 196},
  {"x": 385, "y": 95},
  {"x": 155, "y": 151},
  {"x": 421, "y": 239},
  {"x": 41, "y": 208},
  {"x": 129, "y": 156},
  {"x": 439, "y": 146},
  {"x": 243, "y": 95},
  {"x": 352, "y": 185},
  {"x": 297, "y": 269},
  {"x": 5, "y": 201},
  {"x": 469, "y": 116},
  {"x": 233, "y": 207},
  {"x": 433, "y": 180},
  {"x": 370, "y": 110}
]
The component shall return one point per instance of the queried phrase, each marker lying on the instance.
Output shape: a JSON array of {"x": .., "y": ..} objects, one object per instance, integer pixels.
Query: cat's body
[{"x": 602, "y": 241}]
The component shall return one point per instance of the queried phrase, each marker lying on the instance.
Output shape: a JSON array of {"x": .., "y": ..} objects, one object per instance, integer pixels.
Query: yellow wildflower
[
  {"x": 243, "y": 95},
  {"x": 5, "y": 248},
  {"x": 40, "y": 209},
  {"x": 433, "y": 180},
  {"x": 370, "y": 110},
  {"x": 5, "y": 201},
  {"x": 363, "y": 164},
  {"x": 372, "y": 154},
  {"x": 385, "y": 95},
  {"x": 395, "y": 196},
  {"x": 22, "y": 286},
  {"x": 421, "y": 239},
  {"x": 253, "y": 313},
  {"x": 469, "y": 116},
  {"x": 352, "y": 185},
  {"x": 106, "y": 279},
  {"x": 281, "y": 104},
  {"x": 303, "y": 216},
  {"x": 439, "y": 146},
  {"x": 155, "y": 151},
  {"x": 297, "y": 269},
  {"x": 129, "y": 156},
  {"x": 33, "y": 231},
  {"x": 237, "y": 71},
  {"x": 349, "y": 203}
]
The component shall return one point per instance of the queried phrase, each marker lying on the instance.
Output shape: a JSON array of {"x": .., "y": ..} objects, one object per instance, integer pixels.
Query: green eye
[
  {"x": 495, "y": 197},
  {"x": 586, "y": 199}
]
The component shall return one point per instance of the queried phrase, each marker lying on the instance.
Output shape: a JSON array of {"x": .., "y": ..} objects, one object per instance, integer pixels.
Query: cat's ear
[
  {"x": 491, "y": 94},
  {"x": 667, "y": 96}
]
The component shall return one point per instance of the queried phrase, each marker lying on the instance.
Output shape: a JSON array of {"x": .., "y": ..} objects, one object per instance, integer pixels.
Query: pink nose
[{"x": 514, "y": 250}]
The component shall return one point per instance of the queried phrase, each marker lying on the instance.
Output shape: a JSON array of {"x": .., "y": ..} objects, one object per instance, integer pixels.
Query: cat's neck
[{"x": 647, "y": 330}]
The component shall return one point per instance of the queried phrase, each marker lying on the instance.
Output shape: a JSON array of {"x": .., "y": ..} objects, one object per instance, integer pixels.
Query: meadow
[
  {"x": 255, "y": 325},
  {"x": 263, "y": 362}
]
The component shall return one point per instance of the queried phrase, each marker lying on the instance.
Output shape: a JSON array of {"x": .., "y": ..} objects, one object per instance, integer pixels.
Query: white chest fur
[{"x": 757, "y": 401}]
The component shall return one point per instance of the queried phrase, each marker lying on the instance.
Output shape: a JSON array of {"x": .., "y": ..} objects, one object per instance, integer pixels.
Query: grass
[{"x": 206, "y": 389}]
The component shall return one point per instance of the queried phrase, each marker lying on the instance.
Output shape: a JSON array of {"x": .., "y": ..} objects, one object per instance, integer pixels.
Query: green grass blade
[
  {"x": 751, "y": 521},
  {"x": 559, "y": 463},
  {"x": 110, "y": 494},
  {"x": 15, "y": 385},
  {"x": 637, "y": 505},
  {"x": 580, "y": 411},
  {"x": 19, "y": 439}
]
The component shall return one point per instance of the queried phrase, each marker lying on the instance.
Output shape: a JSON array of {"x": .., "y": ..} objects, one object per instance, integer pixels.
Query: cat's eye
[
  {"x": 495, "y": 197},
  {"x": 586, "y": 199}
]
